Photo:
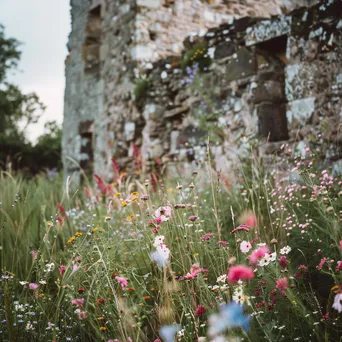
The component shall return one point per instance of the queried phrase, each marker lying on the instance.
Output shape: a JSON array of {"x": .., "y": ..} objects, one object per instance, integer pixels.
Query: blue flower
[
  {"x": 231, "y": 316},
  {"x": 168, "y": 332}
]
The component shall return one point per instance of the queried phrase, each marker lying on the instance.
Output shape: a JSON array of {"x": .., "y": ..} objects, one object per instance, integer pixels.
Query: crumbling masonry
[{"x": 272, "y": 74}]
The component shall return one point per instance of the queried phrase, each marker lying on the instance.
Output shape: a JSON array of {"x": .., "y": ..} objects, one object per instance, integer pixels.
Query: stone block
[
  {"x": 148, "y": 3},
  {"x": 241, "y": 65},
  {"x": 300, "y": 111},
  {"x": 129, "y": 131},
  {"x": 270, "y": 91},
  {"x": 224, "y": 49},
  {"x": 141, "y": 53},
  {"x": 272, "y": 121}
]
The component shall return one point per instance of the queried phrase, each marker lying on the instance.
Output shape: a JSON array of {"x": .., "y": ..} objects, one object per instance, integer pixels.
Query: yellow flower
[
  {"x": 72, "y": 239},
  {"x": 41, "y": 295},
  {"x": 123, "y": 203},
  {"x": 103, "y": 328},
  {"x": 77, "y": 234},
  {"x": 117, "y": 194},
  {"x": 135, "y": 193},
  {"x": 130, "y": 218},
  {"x": 134, "y": 198},
  {"x": 95, "y": 229}
]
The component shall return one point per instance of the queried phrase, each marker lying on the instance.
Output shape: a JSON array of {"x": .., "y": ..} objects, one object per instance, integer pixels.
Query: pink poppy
[{"x": 239, "y": 272}]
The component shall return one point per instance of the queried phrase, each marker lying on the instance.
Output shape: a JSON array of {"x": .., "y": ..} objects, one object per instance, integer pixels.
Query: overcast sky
[{"x": 43, "y": 27}]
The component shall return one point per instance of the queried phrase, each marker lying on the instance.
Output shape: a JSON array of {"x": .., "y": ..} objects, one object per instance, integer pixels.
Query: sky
[{"x": 43, "y": 27}]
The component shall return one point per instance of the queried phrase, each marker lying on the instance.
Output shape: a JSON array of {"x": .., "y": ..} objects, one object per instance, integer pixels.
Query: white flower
[
  {"x": 285, "y": 250},
  {"x": 221, "y": 279},
  {"x": 245, "y": 246},
  {"x": 43, "y": 282},
  {"x": 23, "y": 282},
  {"x": 159, "y": 240},
  {"x": 337, "y": 305},
  {"x": 273, "y": 256},
  {"x": 265, "y": 260},
  {"x": 49, "y": 267},
  {"x": 161, "y": 256},
  {"x": 239, "y": 298}
]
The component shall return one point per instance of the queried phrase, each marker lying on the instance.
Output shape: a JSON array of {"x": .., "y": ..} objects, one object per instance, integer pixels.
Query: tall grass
[{"x": 110, "y": 235}]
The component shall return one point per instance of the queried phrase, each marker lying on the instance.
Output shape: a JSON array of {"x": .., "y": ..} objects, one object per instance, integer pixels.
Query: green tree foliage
[{"x": 15, "y": 107}]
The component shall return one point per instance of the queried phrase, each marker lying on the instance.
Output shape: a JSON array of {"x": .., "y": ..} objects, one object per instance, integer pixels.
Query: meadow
[{"x": 198, "y": 259}]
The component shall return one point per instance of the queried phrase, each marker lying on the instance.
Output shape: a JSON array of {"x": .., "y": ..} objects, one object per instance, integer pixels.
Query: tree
[{"x": 15, "y": 107}]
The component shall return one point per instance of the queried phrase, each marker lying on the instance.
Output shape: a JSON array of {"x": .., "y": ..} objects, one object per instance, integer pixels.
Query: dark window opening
[
  {"x": 269, "y": 95},
  {"x": 92, "y": 42},
  {"x": 86, "y": 131}
]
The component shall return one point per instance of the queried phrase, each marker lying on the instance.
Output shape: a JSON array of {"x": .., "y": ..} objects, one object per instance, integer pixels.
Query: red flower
[
  {"x": 200, "y": 311},
  {"x": 61, "y": 209}
]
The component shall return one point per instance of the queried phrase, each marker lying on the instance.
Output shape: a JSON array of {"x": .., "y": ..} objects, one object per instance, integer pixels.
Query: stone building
[{"x": 274, "y": 72}]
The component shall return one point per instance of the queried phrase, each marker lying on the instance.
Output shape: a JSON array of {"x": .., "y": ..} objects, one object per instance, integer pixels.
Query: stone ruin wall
[{"x": 259, "y": 88}]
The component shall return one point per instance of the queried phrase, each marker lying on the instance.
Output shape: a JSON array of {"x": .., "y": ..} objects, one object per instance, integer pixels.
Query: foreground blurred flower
[
  {"x": 239, "y": 272},
  {"x": 258, "y": 254},
  {"x": 168, "y": 332},
  {"x": 161, "y": 256},
  {"x": 231, "y": 316},
  {"x": 337, "y": 305}
]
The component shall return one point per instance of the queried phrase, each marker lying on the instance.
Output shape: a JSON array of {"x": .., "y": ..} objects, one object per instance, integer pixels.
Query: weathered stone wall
[{"x": 278, "y": 79}]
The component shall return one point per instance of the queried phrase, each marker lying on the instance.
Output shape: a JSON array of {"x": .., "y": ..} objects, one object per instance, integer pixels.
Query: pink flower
[
  {"x": 245, "y": 246},
  {"x": 207, "y": 236},
  {"x": 33, "y": 286},
  {"x": 240, "y": 227},
  {"x": 251, "y": 221},
  {"x": 163, "y": 211},
  {"x": 322, "y": 262},
  {"x": 239, "y": 272},
  {"x": 62, "y": 268},
  {"x": 282, "y": 284},
  {"x": 339, "y": 266},
  {"x": 78, "y": 302},
  {"x": 192, "y": 218},
  {"x": 258, "y": 254},
  {"x": 340, "y": 245},
  {"x": 223, "y": 243},
  {"x": 34, "y": 255},
  {"x": 82, "y": 315},
  {"x": 122, "y": 281}
]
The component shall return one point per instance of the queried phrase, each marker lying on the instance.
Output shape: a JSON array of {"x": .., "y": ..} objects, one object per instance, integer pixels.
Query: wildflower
[
  {"x": 200, "y": 311},
  {"x": 238, "y": 296},
  {"x": 33, "y": 286},
  {"x": 61, "y": 210},
  {"x": 168, "y": 332},
  {"x": 340, "y": 245},
  {"x": 23, "y": 282},
  {"x": 339, "y": 266},
  {"x": 301, "y": 270},
  {"x": 251, "y": 221},
  {"x": 223, "y": 243},
  {"x": 245, "y": 246},
  {"x": 282, "y": 284},
  {"x": 283, "y": 262},
  {"x": 61, "y": 269},
  {"x": 100, "y": 301},
  {"x": 122, "y": 281},
  {"x": 321, "y": 263},
  {"x": 163, "y": 212},
  {"x": 241, "y": 227},
  {"x": 192, "y": 218},
  {"x": 221, "y": 279},
  {"x": 72, "y": 240},
  {"x": 158, "y": 240},
  {"x": 81, "y": 290},
  {"x": 78, "y": 234},
  {"x": 145, "y": 197},
  {"x": 337, "y": 305},
  {"x": 230, "y": 316},
  {"x": 34, "y": 254},
  {"x": 206, "y": 236},
  {"x": 78, "y": 302},
  {"x": 257, "y": 254},
  {"x": 82, "y": 315},
  {"x": 285, "y": 250},
  {"x": 239, "y": 272},
  {"x": 161, "y": 256}
]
